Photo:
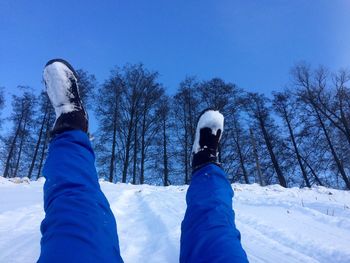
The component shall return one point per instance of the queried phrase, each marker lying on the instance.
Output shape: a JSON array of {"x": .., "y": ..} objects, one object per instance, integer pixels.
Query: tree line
[{"x": 297, "y": 136}]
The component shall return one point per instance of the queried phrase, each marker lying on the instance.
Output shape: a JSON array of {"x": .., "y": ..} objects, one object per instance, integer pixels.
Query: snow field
[
  {"x": 305, "y": 225},
  {"x": 277, "y": 224}
]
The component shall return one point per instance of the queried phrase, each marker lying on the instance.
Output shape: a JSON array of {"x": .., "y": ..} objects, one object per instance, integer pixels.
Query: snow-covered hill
[{"x": 277, "y": 225}]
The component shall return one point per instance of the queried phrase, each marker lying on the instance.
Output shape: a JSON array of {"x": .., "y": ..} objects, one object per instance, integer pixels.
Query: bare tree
[
  {"x": 45, "y": 109},
  {"x": 126, "y": 112},
  {"x": 87, "y": 85},
  {"x": 22, "y": 117},
  {"x": 285, "y": 107},
  {"x": 50, "y": 118},
  {"x": 186, "y": 110},
  {"x": 219, "y": 95},
  {"x": 108, "y": 113},
  {"x": 164, "y": 123},
  {"x": 258, "y": 110},
  {"x": 152, "y": 95},
  {"x": 256, "y": 157},
  {"x": 310, "y": 91}
]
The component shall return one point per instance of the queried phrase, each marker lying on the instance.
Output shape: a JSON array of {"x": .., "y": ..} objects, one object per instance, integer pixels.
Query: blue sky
[{"x": 251, "y": 43}]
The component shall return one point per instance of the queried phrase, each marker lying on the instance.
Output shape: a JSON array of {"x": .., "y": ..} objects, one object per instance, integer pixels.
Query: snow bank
[
  {"x": 15, "y": 180},
  {"x": 277, "y": 224}
]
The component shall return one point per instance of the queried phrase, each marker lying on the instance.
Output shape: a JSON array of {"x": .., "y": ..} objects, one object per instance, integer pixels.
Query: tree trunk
[
  {"x": 19, "y": 154},
  {"x": 276, "y": 166},
  {"x": 335, "y": 156},
  {"x": 186, "y": 149},
  {"x": 114, "y": 142},
  {"x": 44, "y": 148},
  {"x": 312, "y": 171},
  {"x": 240, "y": 154},
  {"x": 257, "y": 162},
  {"x": 135, "y": 156},
  {"x": 37, "y": 146},
  {"x": 303, "y": 171},
  {"x": 345, "y": 122},
  {"x": 127, "y": 147},
  {"x": 143, "y": 149},
  {"x": 12, "y": 147},
  {"x": 20, "y": 147},
  {"x": 165, "y": 155},
  {"x": 241, "y": 160}
]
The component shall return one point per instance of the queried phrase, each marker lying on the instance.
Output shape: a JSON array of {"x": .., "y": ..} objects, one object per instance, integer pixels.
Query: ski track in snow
[{"x": 277, "y": 225}]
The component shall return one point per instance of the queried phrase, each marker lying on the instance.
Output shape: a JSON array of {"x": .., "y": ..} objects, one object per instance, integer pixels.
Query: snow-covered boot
[
  {"x": 61, "y": 83},
  {"x": 208, "y": 134}
]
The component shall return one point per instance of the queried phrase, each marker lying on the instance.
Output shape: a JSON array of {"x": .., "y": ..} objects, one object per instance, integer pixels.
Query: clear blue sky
[{"x": 251, "y": 43}]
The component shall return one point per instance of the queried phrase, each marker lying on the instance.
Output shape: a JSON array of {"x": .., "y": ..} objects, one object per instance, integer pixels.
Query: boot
[
  {"x": 61, "y": 83},
  {"x": 208, "y": 134}
]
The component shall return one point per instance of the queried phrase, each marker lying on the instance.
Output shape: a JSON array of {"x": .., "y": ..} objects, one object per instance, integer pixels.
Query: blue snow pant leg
[
  {"x": 208, "y": 231},
  {"x": 79, "y": 225}
]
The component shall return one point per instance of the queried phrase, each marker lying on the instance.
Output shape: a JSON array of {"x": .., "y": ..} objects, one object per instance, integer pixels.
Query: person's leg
[
  {"x": 208, "y": 231},
  {"x": 79, "y": 225}
]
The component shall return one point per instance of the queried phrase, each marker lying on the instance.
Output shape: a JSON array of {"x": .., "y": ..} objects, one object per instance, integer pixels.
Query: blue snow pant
[
  {"x": 79, "y": 225},
  {"x": 208, "y": 231}
]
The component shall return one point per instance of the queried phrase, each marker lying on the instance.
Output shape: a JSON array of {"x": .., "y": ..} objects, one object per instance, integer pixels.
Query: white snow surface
[
  {"x": 277, "y": 224},
  {"x": 210, "y": 119},
  {"x": 56, "y": 76}
]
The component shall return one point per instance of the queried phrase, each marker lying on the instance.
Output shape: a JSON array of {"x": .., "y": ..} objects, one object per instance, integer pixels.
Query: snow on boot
[
  {"x": 208, "y": 134},
  {"x": 61, "y": 83}
]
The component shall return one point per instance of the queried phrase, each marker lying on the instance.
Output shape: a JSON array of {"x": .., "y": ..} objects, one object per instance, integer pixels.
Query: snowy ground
[{"x": 277, "y": 225}]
